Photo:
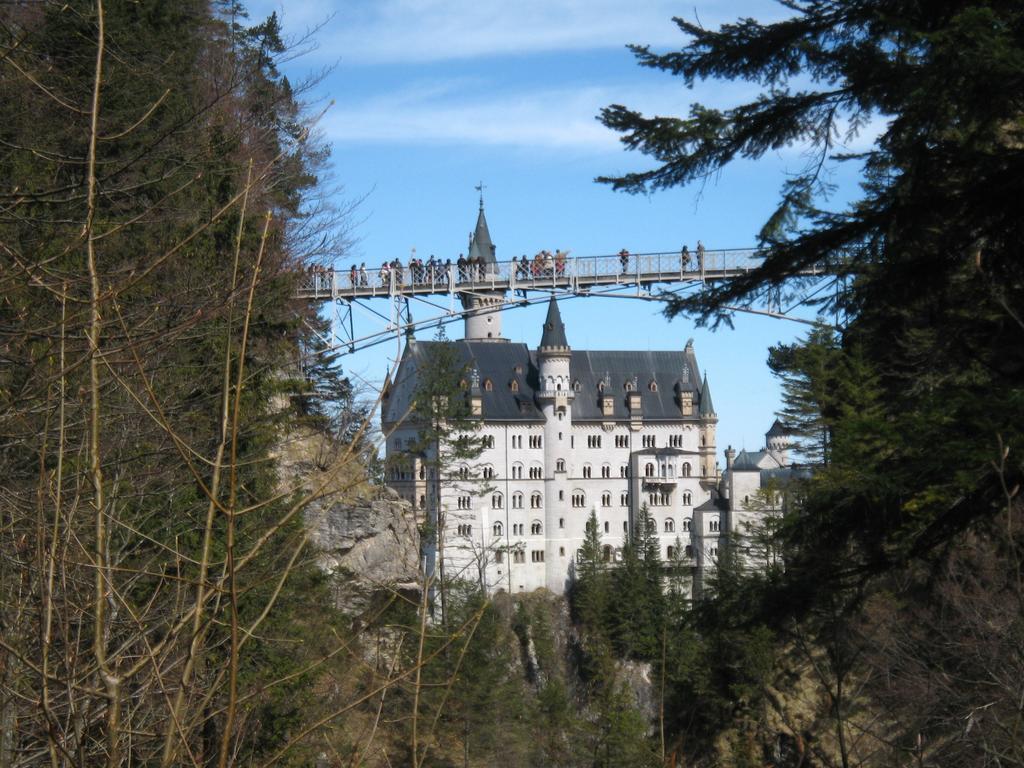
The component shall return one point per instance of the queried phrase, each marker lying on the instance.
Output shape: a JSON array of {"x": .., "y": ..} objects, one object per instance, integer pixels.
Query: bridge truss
[{"x": 432, "y": 298}]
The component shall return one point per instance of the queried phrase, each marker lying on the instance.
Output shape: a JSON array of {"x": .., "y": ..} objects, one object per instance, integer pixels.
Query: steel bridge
[{"x": 440, "y": 290}]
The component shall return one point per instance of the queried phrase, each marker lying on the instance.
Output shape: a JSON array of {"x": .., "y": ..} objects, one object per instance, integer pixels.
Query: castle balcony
[{"x": 562, "y": 397}]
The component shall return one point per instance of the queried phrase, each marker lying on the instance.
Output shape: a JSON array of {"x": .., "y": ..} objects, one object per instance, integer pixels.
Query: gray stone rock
[{"x": 369, "y": 546}]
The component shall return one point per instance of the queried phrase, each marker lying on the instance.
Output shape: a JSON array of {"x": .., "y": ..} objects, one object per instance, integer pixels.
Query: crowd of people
[{"x": 467, "y": 270}]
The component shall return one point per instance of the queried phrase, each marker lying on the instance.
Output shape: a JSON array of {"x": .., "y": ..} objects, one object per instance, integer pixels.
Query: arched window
[
  {"x": 606, "y": 470},
  {"x": 488, "y": 472},
  {"x": 517, "y": 500},
  {"x": 536, "y": 528},
  {"x": 586, "y": 470},
  {"x": 670, "y": 552},
  {"x": 513, "y": 385},
  {"x": 686, "y": 525},
  {"x": 517, "y": 471},
  {"x": 653, "y": 386},
  {"x": 488, "y": 385},
  {"x": 606, "y": 553},
  {"x": 560, "y": 465},
  {"x": 606, "y": 499},
  {"x": 576, "y": 386},
  {"x": 670, "y": 525},
  {"x": 497, "y": 501},
  {"x": 687, "y": 498},
  {"x": 686, "y": 469},
  {"x": 579, "y": 499},
  {"x": 600, "y": 386},
  {"x": 607, "y": 526},
  {"x": 648, "y": 470},
  {"x": 536, "y": 500},
  {"x": 496, "y": 529}
]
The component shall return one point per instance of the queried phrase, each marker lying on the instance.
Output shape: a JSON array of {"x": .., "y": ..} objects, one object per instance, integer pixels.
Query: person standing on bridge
[
  {"x": 363, "y": 281},
  {"x": 684, "y": 258},
  {"x": 700, "y": 256},
  {"x": 624, "y": 260},
  {"x": 560, "y": 256},
  {"x": 353, "y": 276}
]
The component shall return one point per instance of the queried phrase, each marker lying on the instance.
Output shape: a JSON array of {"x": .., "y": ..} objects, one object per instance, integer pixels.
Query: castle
[{"x": 565, "y": 433}]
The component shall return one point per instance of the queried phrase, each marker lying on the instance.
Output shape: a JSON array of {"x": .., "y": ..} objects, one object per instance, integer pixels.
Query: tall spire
[
  {"x": 554, "y": 329},
  {"x": 706, "y": 406},
  {"x": 480, "y": 246}
]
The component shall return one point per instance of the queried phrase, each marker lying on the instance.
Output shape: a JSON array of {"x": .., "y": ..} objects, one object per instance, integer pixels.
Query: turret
[
  {"x": 483, "y": 315},
  {"x": 777, "y": 440},
  {"x": 554, "y": 396},
  {"x": 708, "y": 420}
]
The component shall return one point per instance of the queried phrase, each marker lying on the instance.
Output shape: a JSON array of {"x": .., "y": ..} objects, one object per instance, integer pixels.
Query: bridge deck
[{"x": 574, "y": 273}]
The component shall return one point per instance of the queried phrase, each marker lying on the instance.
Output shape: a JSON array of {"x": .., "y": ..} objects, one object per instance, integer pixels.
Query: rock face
[{"x": 368, "y": 545}]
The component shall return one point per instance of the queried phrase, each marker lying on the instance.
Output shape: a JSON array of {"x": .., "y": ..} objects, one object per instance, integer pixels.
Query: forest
[{"x": 171, "y": 417}]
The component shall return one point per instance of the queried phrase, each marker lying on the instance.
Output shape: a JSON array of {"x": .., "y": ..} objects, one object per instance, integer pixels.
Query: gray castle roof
[
  {"x": 554, "y": 328},
  {"x": 778, "y": 429},
  {"x": 481, "y": 246},
  {"x": 511, "y": 370}
]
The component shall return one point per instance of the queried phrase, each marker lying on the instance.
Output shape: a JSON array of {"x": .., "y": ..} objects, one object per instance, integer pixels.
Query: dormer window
[
  {"x": 653, "y": 386},
  {"x": 576, "y": 386},
  {"x": 488, "y": 385},
  {"x": 629, "y": 386},
  {"x": 463, "y": 384},
  {"x": 518, "y": 369},
  {"x": 600, "y": 386},
  {"x": 513, "y": 385}
]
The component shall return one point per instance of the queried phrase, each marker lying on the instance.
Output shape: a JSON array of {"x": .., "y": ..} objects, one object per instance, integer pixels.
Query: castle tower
[
  {"x": 555, "y": 395},
  {"x": 777, "y": 441},
  {"x": 708, "y": 421},
  {"x": 483, "y": 316}
]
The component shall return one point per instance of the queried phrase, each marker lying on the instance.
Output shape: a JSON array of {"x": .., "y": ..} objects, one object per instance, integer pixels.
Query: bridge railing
[{"x": 531, "y": 273}]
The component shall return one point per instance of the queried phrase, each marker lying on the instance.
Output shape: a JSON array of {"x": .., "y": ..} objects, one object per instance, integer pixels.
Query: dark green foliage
[{"x": 913, "y": 409}]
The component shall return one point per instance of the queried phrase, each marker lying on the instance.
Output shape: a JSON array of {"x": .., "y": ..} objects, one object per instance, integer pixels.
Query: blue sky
[{"x": 426, "y": 98}]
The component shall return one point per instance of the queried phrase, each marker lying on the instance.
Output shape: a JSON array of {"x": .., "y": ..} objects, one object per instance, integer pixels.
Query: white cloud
[{"x": 390, "y": 31}]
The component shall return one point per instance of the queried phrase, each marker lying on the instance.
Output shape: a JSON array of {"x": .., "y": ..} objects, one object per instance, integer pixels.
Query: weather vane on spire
[{"x": 480, "y": 188}]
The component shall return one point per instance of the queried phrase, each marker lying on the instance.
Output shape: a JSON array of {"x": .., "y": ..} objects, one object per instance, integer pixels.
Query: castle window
[
  {"x": 576, "y": 386},
  {"x": 499, "y": 556},
  {"x": 670, "y": 525},
  {"x": 513, "y": 385},
  {"x": 423, "y": 501},
  {"x": 496, "y": 529},
  {"x": 517, "y": 501},
  {"x": 535, "y": 441},
  {"x": 622, "y": 441},
  {"x": 488, "y": 441},
  {"x": 606, "y": 470},
  {"x": 686, "y": 469},
  {"x": 624, "y": 470},
  {"x": 670, "y": 552},
  {"x": 593, "y": 441},
  {"x": 517, "y": 471},
  {"x": 579, "y": 499},
  {"x": 488, "y": 385},
  {"x": 464, "y": 529},
  {"x": 488, "y": 472},
  {"x": 517, "y": 529},
  {"x": 686, "y": 525},
  {"x": 537, "y": 555},
  {"x": 623, "y": 499},
  {"x": 628, "y": 386},
  {"x": 465, "y": 502},
  {"x": 536, "y": 500},
  {"x": 561, "y": 551},
  {"x": 536, "y": 472},
  {"x": 715, "y": 526},
  {"x": 518, "y": 557},
  {"x": 423, "y": 472},
  {"x": 497, "y": 501},
  {"x": 561, "y": 522},
  {"x": 625, "y": 527},
  {"x": 606, "y": 499},
  {"x": 648, "y": 470},
  {"x": 653, "y": 386},
  {"x": 536, "y": 528},
  {"x": 561, "y": 495},
  {"x": 606, "y": 526},
  {"x": 606, "y": 554},
  {"x": 560, "y": 465},
  {"x": 586, "y": 470},
  {"x": 713, "y": 551},
  {"x": 648, "y": 441},
  {"x": 687, "y": 498}
]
